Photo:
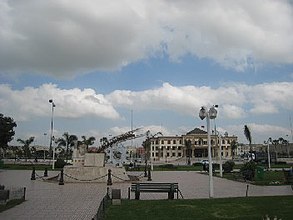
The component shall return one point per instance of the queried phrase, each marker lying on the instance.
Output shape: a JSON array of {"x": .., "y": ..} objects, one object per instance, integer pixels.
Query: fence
[{"x": 105, "y": 203}]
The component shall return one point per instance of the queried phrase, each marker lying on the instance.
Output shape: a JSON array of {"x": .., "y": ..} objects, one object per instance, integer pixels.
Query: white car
[{"x": 204, "y": 162}]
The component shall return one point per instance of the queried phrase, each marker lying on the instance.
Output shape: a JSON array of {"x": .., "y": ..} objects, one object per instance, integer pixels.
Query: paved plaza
[{"x": 47, "y": 200}]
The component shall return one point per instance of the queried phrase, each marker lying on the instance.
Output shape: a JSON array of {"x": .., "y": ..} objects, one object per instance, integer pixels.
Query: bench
[
  {"x": 169, "y": 188},
  {"x": 4, "y": 196}
]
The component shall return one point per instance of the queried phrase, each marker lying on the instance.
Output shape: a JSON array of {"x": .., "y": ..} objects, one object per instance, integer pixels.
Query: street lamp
[
  {"x": 209, "y": 114},
  {"x": 53, "y": 165},
  {"x": 52, "y": 124},
  {"x": 269, "y": 157}
]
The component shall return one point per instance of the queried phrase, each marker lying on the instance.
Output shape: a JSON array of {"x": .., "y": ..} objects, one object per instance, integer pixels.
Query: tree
[
  {"x": 285, "y": 143},
  {"x": 7, "y": 124},
  {"x": 275, "y": 143},
  {"x": 88, "y": 142},
  {"x": 147, "y": 144},
  {"x": 188, "y": 150},
  {"x": 248, "y": 170},
  {"x": 233, "y": 147},
  {"x": 67, "y": 141},
  {"x": 247, "y": 134},
  {"x": 26, "y": 146}
]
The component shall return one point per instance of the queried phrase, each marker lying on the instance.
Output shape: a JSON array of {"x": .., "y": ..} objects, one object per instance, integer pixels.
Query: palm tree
[
  {"x": 26, "y": 146},
  {"x": 188, "y": 150},
  {"x": 233, "y": 147},
  {"x": 147, "y": 144},
  {"x": 247, "y": 134},
  {"x": 275, "y": 143},
  {"x": 88, "y": 141},
  {"x": 285, "y": 143},
  {"x": 67, "y": 141}
]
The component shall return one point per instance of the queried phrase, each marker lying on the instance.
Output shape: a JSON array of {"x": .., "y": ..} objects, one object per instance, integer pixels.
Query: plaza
[{"x": 48, "y": 200}]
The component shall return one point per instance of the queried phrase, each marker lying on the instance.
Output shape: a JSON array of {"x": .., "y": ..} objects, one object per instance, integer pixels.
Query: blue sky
[{"x": 163, "y": 60}]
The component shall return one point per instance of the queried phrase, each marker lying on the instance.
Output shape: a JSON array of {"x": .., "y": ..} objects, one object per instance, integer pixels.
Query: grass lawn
[
  {"x": 268, "y": 178},
  {"x": 26, "y": 167},
  {"x": 223, "y": 208}
]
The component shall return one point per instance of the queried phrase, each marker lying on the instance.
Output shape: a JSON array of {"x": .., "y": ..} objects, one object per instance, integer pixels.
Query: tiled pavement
[{"x": 46, "y": 200}]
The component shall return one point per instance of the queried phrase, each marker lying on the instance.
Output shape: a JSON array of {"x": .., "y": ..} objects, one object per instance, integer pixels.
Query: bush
[
  {"x": 1, "y": 163},
  {"x": 281, "y": 162},
  {"x": 228, "y": 166},
  {"x": 168, "y": 166},
  {"x": 60, "y": 163},
  {"x": 248, "y": 170},
  {"x": 197, "y": 164}
]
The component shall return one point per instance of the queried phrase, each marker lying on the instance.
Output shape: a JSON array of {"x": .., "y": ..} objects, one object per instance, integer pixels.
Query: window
[
  {"x": 179, "y": 154},
  {"x": 174, "y": 141},
  {"x": 205, "y": 142},
  {"x": 179, "y": 148},
  {"x": 173, "y": 154},
  {"x": 153, "y": 154},
  {"x": 169, "y": 142},
  {"x": 173, "y": 148},
  {"x": 168, "y": 154},
  {"x": 168, "y": 147},
  {"x": 223, "y": 141},
  {"x": 157, "y": 141},
  {"x": 156, "y": 148},
  {"x": 162, "y": 142},
  {"x": 153, "y": 148},
  {"x": 196, "y": 143},
  {"x": 180, "y": 141},
  {"x": 157, "y": 154}
]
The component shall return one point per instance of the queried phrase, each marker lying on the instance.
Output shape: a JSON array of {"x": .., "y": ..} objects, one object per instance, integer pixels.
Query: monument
[{"x": 91, "y": 167}]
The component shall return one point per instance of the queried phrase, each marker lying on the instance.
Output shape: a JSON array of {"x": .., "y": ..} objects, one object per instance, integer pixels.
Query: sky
[{"x": 150, "y": 64}]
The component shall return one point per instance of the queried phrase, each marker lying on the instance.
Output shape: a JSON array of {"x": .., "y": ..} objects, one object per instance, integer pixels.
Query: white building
[{"x": 194, "y": 144}]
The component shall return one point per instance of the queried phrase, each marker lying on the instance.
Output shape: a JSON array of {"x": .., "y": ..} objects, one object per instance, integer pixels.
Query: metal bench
[{"x": 169, "y": 188}]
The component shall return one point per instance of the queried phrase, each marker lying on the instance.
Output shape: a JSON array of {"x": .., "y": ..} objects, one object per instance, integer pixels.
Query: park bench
[
  {"x": 169, "y": 188},
  {"x": 4, "y": 196}
]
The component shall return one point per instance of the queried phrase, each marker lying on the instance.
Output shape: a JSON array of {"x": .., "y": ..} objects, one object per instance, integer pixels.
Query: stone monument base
[{"x": 94, "y": 174}]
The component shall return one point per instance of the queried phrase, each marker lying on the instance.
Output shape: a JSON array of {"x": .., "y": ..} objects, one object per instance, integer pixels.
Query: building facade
[{"x": 194, "y": 144}]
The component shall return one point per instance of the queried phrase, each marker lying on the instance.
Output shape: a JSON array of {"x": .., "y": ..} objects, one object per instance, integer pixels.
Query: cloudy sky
[{"x": 100, "y": 60}]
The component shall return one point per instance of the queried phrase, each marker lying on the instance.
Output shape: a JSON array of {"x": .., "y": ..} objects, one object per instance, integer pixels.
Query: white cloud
[
  {"x": 235, "y": 101},
  {"x": 67, "y": 37},
  {"x": 71, "y": 103},
  {"x": 259, "y": 132}
]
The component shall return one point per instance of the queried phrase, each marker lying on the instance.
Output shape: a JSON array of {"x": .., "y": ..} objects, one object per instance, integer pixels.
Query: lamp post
[
  {"x": 53, "y": 165},
  {"x": 209, "y": 114},
  {"x": 52, "y": 123},
  {"x": 45, "y": 135},
  {"x": 268, "y": 149}
]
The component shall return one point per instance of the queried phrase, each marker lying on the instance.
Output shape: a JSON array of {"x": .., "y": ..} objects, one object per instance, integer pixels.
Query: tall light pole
[
  {"x": 52, "y": 124},
  {"x": 45, "y": 135},
  {"x": 209, "y": 114},
  {"x": 268, "y": 149}
]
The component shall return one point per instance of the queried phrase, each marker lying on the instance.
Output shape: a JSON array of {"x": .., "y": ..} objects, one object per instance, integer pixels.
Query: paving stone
[{"x": 46, "y": 200}]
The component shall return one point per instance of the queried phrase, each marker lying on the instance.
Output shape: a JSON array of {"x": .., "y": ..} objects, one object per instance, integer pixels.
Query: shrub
[
  {"x": 60, "y": 163},
  {"x": 228, "y": 166},
  {"x": 197, "y": 164},
  {"x": 248, "y": 170},
  {"x": 281, "y": 162},
  {"x": 168, "y": 166}
]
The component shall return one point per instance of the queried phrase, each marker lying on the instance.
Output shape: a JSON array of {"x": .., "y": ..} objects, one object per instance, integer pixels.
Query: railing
[{"x": 105, "y": 203}]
